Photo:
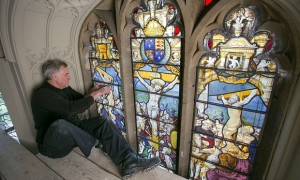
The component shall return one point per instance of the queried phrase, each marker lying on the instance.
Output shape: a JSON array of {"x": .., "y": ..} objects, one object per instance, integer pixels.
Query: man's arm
[
  {"x": 96, "y": 87},
  {"x": 142, "y": 80},
  {"x": 76, "y": 95},
  {"x": 171, "y": 85},
  {"x": 99, "y": 91},
  {"x": 61, "y": 104},
  {"x": 224, "y": 100},
  {"x": 247, "y": 99}
]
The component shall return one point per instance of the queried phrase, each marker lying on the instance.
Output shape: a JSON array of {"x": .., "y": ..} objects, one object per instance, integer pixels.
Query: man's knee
[
  {"x": 109, "y": 123},
  {"x": 62, "y": 126},
  {"x": 59, "y": 122}
]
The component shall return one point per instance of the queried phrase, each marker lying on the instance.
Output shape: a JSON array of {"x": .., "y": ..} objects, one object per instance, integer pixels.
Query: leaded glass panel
[
  {"x": 105, "y": 69},
  {"x": 5, "y": 120},
  {"x": 156, "y": 60},
  {"x": 234, "y": 85}
]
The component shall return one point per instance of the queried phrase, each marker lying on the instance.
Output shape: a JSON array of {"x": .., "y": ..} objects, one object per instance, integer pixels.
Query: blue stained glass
[
  {"x": 217, "y": 87},
  {"x": 172, "y": 92},
  {"x": 149, "y": 43},
  {"x": 166, "y": 104},
  {"x": 156, "y": 64},
  {"x": 217, "y": 112},
  {"x": 252, "y": 118},
  {"x": 234, "y": 86},
  {"x": 256, "y": 103},
  {"x": 114, "y": 114},
  {"x": 111, "y": 72},
  {"x": 105, "y": 68},
  {"x": 159, "y": 55}
]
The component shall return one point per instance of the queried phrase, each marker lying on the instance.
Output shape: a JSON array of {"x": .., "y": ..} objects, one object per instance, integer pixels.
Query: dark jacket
[{"x": 50, "y": 103}]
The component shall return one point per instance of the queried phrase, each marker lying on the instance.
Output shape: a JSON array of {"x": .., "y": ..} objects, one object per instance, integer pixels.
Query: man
[
  {"x": 56, "y": 108},
  {"x": 235, "y": 121},
  {"x": 156, "y": 88}
]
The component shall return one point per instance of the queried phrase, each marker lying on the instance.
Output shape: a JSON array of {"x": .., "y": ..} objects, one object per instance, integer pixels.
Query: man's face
[
  {"x": 62, "y": 77},
  {"x": 157, "y": 87},
  {"x": 232, "y": 99}
]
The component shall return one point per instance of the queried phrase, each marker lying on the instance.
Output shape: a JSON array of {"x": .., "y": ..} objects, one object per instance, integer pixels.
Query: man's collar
[{"x": 48, "y": 85}]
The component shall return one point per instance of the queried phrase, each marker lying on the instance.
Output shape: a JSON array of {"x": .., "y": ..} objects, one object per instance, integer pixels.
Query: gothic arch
[
  {"x": 270, "y": 19},
  {"x": 195, "y": 49}
]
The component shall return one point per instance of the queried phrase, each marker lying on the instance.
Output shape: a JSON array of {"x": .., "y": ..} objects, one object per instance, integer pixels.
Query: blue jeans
[{"x": 62, "y": 136}]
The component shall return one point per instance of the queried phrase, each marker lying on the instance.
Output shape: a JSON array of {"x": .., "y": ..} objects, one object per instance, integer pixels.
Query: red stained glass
[
  {"x": 210, "y": 43},
  {"x": 133, "y": 33},
  {"x": 269, "y": 45},
  {"x": 176, "y": 30},
  {"x": 207, "y": 2}
]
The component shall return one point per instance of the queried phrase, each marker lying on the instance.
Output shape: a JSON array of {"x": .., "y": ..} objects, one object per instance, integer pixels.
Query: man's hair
[{"x": 52, "y": 66}]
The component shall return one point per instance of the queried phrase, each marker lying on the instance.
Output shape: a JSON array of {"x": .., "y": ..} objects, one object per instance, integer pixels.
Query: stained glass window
[
  {"x": 156, "y": 61},
  {"x": 234, "y": 84},
  {"x": 5, "y": 120},
  {"x": 105, "y": 69}
]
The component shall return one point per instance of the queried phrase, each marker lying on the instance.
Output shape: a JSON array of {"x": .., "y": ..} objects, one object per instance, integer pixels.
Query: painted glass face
[
  {"x": 156, "y": 60},
  {"x": 105, "y": 69},
  {"x": 234, "y": 87}
]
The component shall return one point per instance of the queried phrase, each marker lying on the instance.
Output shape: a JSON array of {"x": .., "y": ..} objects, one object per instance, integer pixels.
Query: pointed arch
[
  {"x": 156, "y": 44},
  {"x": 242, "y": 58}
]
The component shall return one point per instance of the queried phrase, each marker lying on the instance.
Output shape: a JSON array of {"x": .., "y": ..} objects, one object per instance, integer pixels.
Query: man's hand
[
  {"x": 100, "y": 90},
  {"x": 97, "y": 87}
]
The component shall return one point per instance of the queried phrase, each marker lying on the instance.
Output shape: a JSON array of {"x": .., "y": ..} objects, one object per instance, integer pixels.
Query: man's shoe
[{"x": 134, "y": 164}]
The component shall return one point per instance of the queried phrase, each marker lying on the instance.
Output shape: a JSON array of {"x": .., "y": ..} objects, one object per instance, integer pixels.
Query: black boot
[{"x": 134, "y": 164}]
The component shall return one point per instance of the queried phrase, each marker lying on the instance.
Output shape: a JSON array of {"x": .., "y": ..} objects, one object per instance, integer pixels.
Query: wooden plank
[
  {"x": 106, "y": 163},
  {"x": 97, "y": 156},
  {"x": 76, "y": 167},
  {"x": 156, "y": 174},
  {"x": 16, "y": 162}
]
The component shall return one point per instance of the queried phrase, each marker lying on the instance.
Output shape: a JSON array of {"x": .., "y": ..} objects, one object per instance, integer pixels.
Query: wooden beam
[
  {"x": 105, "y": 162},
  {"x": 16, "y": 162},
  {"x": 76, "y": 167},
  {"x": 98, "y": 157}
]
